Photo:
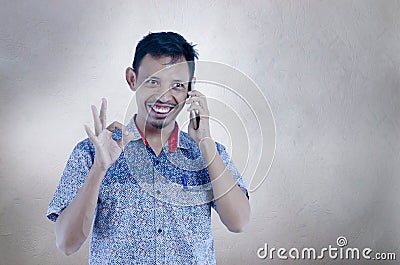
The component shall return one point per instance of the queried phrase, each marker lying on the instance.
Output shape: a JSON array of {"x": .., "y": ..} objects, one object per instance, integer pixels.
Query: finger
[
  {"x": 193, "y": 114},
  {"x": 96, "y": 120},
  {"x": 194, "y": 121},
  {"x": 199, "y": 100},
  {"x": 198, "y": 108},
  {"x": 103, "y": 113},
  {"x": 196, "y": 115},
  {"x": 194, "y": 100},
  {"x": 116, "y": 125},
  {"x": 195, "y": 93},
  {"x": 91, "y": 135}
]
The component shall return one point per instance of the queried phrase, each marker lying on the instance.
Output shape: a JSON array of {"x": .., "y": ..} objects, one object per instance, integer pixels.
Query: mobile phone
[{"x": 194, "y": 115}]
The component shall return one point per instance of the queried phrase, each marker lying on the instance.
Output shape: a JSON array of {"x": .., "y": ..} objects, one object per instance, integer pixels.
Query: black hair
[{"x": 169, "y": 44}]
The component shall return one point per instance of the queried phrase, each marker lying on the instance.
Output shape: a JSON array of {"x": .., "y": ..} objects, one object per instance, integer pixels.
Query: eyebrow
[
  {"x": 173, "y": 81},
  {"x": 151, "y": 76},
  {"x": 180, "y": 81}
]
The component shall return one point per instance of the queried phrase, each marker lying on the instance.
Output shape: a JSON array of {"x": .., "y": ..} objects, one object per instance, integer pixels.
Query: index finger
[
  {"x": 195, "y": 93},
  {"x": 116, "y": 125},
  {"x": 103, "y": 113}
]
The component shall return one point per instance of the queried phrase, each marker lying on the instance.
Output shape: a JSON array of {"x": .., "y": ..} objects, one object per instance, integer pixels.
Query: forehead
[{"x": 162, "y": 67}]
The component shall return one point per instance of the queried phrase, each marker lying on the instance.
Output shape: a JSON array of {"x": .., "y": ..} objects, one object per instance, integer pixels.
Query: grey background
[{"x": 330, "y": 70}]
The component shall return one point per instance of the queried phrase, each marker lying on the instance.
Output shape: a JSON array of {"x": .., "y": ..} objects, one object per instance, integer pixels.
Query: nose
[{"x": 165, "y": 94}]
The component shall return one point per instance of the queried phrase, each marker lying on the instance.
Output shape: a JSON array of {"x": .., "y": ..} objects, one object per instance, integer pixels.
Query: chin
[{"x": 160, "y": 124}]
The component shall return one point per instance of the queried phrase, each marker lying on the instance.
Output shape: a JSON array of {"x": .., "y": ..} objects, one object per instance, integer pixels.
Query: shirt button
[
  {"x": 159, "y": 230},
  {"x": 158, "y": 192},
  {"x": 157, "y": 162}
]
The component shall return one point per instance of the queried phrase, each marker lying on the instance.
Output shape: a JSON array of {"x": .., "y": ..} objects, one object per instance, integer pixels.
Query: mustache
[{"x": 169, "y": 104}]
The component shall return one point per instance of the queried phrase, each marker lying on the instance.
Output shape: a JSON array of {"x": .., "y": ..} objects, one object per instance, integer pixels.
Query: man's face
[{"x": 161, "y": 90}]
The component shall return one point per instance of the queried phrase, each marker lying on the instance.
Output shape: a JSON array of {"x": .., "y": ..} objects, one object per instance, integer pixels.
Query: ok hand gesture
[{"x": 107, "y": 150}]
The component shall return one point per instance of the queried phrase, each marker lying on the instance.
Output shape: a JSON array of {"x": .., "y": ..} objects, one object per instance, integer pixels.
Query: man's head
[
  {"x": 165, "y": 44},
  {"x": 162, "y": 68}
]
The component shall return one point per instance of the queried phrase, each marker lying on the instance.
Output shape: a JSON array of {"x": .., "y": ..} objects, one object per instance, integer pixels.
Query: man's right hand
[{"x": 107, "y": 150}]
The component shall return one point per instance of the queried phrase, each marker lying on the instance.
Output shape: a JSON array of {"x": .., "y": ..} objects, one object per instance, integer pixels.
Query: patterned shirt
[{"x": 151, "y": 209}]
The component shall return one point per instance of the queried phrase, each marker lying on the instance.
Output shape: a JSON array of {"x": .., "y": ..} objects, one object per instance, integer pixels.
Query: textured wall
[{"x": 330, "y": 70}]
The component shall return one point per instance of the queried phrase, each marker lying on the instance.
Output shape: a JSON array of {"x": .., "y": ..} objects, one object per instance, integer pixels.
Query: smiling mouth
[{"x": 161, "y": 109}]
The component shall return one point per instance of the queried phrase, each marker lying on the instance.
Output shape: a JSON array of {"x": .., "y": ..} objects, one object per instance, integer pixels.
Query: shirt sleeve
[{"x": 72, "y": 178}]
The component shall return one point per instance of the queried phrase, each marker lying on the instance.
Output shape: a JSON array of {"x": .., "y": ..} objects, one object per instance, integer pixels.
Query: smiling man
[{"x": 148, "y": 194}]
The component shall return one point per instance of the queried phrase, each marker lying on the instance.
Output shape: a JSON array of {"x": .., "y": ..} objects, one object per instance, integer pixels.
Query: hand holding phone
[
  {"x": 199, "y": 112},
  {"x": 194, "y": 114}
]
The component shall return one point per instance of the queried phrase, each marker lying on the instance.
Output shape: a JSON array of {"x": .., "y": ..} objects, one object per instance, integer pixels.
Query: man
[{"x": 149, "y": 194}]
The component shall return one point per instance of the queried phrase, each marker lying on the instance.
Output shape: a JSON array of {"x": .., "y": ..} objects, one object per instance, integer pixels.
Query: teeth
[{"x": 162, "y": 110}]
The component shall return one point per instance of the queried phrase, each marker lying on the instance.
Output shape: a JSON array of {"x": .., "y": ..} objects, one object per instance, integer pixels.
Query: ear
[{"x": 130, "y": 78}]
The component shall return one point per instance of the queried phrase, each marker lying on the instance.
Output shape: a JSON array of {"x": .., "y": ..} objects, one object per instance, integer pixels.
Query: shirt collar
[{"x": 176, "y": 139}]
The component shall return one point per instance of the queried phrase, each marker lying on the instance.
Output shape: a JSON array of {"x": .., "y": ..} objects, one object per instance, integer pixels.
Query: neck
[{"x": 156, "y": 138}]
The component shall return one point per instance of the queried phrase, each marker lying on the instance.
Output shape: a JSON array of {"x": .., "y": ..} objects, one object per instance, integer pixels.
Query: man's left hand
[{"x": 198, "y": 103}]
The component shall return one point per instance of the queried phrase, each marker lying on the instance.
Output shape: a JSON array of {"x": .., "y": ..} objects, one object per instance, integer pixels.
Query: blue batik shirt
[{"x": 150, "y": 210}]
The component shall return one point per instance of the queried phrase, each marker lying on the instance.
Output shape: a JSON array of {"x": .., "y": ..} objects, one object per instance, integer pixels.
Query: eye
[
  {"x": 152, "y": 82},
  {"x": 179, "y": 86}
]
